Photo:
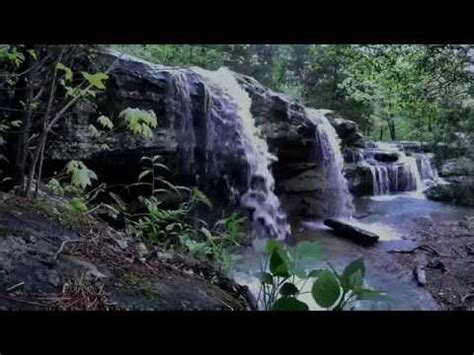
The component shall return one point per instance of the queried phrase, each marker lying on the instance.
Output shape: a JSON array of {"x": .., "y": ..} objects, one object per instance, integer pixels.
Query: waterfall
[
  {"x": 328, "y": 153},
  {"x": 181, "y": 96},
  {"x": 424, "y": 167},
  {"x": 260, "y": 200},
  {"x": 411, "y": 173}
]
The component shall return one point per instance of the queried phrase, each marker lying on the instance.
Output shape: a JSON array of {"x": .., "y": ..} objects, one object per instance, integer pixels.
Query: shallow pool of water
[{"x": 388, "y": 217}]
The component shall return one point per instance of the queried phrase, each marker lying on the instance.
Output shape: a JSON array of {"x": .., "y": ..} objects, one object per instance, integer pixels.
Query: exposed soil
[
  {"x": 47, "y": 264},
  {"x": 446, "y": 251}
]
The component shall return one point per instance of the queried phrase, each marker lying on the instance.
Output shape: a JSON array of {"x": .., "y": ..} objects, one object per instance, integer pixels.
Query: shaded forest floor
[
  {"x": 446, "y": 252},
  {"x": 52, "y": 262}
]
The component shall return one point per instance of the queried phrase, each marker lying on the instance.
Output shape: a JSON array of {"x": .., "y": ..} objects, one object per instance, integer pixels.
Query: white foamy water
[
  {"x": 260, "y": 199},
  {"x": 328, "y": 147}
]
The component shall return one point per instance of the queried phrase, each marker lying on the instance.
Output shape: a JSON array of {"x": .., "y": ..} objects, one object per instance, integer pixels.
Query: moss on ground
[{"x": 134, "y": 282}]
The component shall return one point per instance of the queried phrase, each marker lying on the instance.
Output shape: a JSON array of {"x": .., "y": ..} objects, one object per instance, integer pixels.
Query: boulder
[
  {"x": 352, "y": 232},
  {"x": 349, "y": 132},
  {"x": 359, "y": 179},
  {"x": 458, "y": 190},
  {"x": 457, "y": 167}
]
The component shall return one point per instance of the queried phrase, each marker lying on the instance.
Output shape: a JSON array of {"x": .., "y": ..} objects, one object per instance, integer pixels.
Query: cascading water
[
  {"x": 260, "y": 200},
  {"x": 328, "y": 153},
  {"x": 424, "y": 166},
  {"x": 181, "y": 96},
  {"x": 392, "y": 170}
]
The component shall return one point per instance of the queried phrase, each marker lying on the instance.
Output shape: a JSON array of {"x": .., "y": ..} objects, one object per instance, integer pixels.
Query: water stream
[{"x": 389, "y": 217}]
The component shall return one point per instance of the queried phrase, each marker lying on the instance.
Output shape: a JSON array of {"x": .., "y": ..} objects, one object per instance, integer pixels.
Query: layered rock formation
[
  {"x": 198, "y": 137},
  {"x": 457, "y": 184}
]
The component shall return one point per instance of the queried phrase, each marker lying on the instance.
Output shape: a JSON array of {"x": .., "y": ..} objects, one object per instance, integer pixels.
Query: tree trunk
[
  {"x": 391, "y": 127},
  {"x": 381, "y": 133},
  {"x": 18, "y": 142}
]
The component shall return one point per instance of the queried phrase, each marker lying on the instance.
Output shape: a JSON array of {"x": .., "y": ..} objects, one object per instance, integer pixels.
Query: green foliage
[
  {"x": 96, "y": 80},
  {"x": 77, "y": 205},
  {"x": 105, "y": 122},
  {"x": 282, "y": 280},
  {"x": 152, "y": 171},
  {"x": 68, "y": 75},
  {"x": 205, "y": 56},
  {"x": 12, "y": 55},
  {"x": 415, "y": 92},
  {"x": 179, "y": 228},
  {"x": 81, "y": 176},
  {"x": 136, "y": 283},
  {"x": 55, "y": 186},
  {"x": 139, "y": 122},
  {"x": 409, "y": 88}
]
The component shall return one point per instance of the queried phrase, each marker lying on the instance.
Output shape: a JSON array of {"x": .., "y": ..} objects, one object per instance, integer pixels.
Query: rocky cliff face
[{"x": 208, "y": 153}]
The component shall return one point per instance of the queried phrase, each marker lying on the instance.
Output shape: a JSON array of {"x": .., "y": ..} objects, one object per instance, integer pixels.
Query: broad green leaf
[
  {"x": 289, "y": 304},
  {"x": 96, "y": 80},
  {"x": 355, "y": 280},
  {"x": 144, "y": 173},
  {"x": 33, "y": 54},
  {"x": 326, "y": 290},
  {"x": 289, "y": 289},
  {"x": 315, "y": 273},
  {"x": 278, "y": 266},
  {"x": 265, "y": 277},
  {"x": 201, "y": 197},
  {"x": 352, "y": 268},
  {"x": 67, "y": 71},
  {"x": 16, "y": 123},
  {"x": 81, "y": 176},
  {"x": 162, "y": 166},
  {"x": 272, "y": 245}
]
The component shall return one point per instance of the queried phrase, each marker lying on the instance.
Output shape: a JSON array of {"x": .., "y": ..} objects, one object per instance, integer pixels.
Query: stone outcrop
[
  {"x": 217, "y": 164},
  {"x": 457, "y": 183}
]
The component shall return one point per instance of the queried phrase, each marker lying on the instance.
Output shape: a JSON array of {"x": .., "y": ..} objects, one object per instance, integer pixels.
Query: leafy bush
[
  {"x": 282, "y": 278},
  {"x": 180, "y": 229},
  {"x": 81, "y": 176}
]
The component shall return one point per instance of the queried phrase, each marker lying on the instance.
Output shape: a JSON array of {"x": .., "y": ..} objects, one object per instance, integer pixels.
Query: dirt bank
[
  {"x": 446, "y": 252},
  {"x": 53, "y": 263}
]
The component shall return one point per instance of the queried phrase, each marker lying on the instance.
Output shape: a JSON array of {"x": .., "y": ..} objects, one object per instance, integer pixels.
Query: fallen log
[{"x": 352, "y": 232}]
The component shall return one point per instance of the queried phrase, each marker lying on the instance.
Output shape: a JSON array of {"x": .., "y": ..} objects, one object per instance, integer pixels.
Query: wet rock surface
[
  {"x": 457, "y": 185},
  {"x": 195, "y": 137},
  {"x": 352, "y": 232}
]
